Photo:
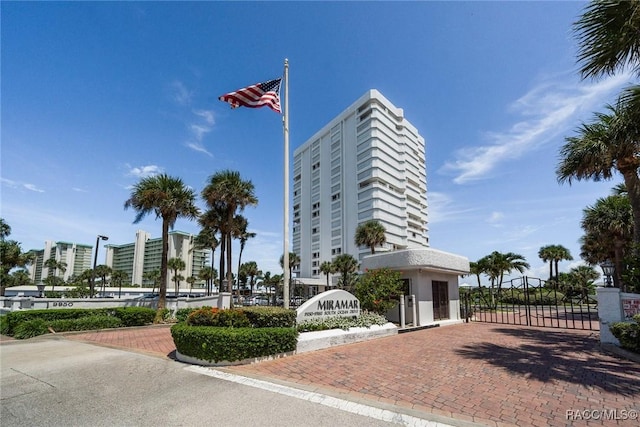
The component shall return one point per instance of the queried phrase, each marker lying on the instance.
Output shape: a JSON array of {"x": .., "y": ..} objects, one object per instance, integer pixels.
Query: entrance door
[{"x": 440, "y": 300}]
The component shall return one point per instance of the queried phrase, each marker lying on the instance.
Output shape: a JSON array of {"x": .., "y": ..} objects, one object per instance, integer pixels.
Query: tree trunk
[
  {"x": 223, "y": 250},
  {"x": 229, "y": 274},
  {"x": 632, "y": 182},
  {"x": 162, "y": 300}
]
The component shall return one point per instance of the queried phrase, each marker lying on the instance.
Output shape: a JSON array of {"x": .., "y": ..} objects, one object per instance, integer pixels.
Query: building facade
[
  {"x": 367, "y": 163},
  {"x": 76, "y": 256},
  {"x": 145, "y": 254}
]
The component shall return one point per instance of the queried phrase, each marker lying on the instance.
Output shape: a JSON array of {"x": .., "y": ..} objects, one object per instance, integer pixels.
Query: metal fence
[{"x": 530, "y": 301}]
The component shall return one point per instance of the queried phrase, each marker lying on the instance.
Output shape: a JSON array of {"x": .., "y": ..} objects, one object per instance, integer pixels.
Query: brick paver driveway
[{"x": 487, "y": 373}]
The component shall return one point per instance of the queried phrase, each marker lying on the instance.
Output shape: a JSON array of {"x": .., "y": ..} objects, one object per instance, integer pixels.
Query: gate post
[{"x": 609, "y": 311}]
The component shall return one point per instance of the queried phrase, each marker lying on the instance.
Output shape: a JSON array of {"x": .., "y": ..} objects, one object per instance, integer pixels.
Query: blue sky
[{"x": 96, "y": 95}]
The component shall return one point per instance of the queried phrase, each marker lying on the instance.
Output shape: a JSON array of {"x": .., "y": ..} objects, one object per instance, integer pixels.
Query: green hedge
[
  {"x": 270, "y": 317},
  {"x": 215, "y": 344},
  {"x": 256, "y": 317},
  {"x": 86, "y": 323},
  {"x": 628, "y": 333},
  {"x": 133, "y": 316},
  {"x": 126, "y": 316}
]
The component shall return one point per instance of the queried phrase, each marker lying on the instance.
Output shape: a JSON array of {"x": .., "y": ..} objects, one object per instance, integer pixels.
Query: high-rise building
[
  {"x": 145, "y": 255},
  {"x": 75, "y": 256},
  {"x": 367, "y": 163}
]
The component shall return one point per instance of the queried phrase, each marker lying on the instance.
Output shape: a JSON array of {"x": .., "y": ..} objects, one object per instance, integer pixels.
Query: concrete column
[
  {"x": 402, "y": 315},
  {"x": 609, "y": 311},
  {"x": 415, "y": 317}
]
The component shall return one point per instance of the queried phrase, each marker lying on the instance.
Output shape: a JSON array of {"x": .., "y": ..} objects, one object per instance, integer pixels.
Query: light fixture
[{"x": 609, "y": 269}]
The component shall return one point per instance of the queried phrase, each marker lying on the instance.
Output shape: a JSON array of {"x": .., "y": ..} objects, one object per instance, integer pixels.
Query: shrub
[
  {"x": 85, "y": 323},
  {"x": 129, "y": 316},
  {"x": 30, "y": 328},
  {"x": 134, "y": 316},
  {"x": 628, "y": 333},
  {"x": 378, "y": 289},
  {"x": 4, "y": 325},
  {"x": 17, "y": 317},
  {"x": 270, "y": 317},
  {"x": 205, "y": 316},
  {"x": 365, "y": 320},
  {"x": 232, "y": 318},
  {"x": 183, "y": 313},
  {"x": 232, "y": 344}
]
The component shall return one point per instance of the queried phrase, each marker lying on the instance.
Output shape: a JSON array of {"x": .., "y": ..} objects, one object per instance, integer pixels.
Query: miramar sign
[{"x": 329, "y": 304}]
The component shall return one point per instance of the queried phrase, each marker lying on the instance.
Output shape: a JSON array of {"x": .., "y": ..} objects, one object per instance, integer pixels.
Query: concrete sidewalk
[{"x": 483, "y": 373}]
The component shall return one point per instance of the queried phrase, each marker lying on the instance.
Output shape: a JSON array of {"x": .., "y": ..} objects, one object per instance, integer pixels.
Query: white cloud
[
  {"x": 198, "y": 147},
  {"x": 79, "y": 190},
  {"x": 199, "y": 129},
  {"x": 181, "y": 95},
  {"x": 207, "y": 115},
  {"x": 144, "y": 171},
  {"x": 9, "y": 183},
  {"x": 442, "y": 208},
  {"x": 548, "y": 110},
  {"x": 14, "y": 184},
  {"x": 32, "y": 187},
  {"x": 495, "y": 218}
]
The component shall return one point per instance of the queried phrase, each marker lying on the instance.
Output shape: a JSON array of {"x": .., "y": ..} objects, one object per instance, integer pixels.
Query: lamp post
[
  {"x": 95, "y": 261},
  {"x": 609, "y": 269}
]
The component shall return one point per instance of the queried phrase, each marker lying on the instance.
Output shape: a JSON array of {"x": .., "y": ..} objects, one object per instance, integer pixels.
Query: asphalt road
[{"x": 59, "y": 382}]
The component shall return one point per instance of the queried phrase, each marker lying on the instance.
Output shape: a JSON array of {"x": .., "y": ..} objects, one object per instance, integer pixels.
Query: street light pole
[{"x": 95, "y": 261}]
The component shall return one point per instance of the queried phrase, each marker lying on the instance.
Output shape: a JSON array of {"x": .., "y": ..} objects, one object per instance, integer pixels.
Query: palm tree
[
  {"x": 607, "y": 34},
  {"x": 250, "y": 269},
  {"x": 152, "y": 276},
  {"x": 53, "y": 267},
  {"x": 213, "y": 221},
  {"x": 206, "y": 238},
  {"x": 103, "y": 271},
  {"x": 228, "y": 189},
  {"x": 579, "y": 280},
  {"x": 243, "y": 235},
  {"x": 88, "y": 276},
  {"x": 191, "y": 280},
  {"x": 5, "y": 229},
  {"x": 118, "y": 277},
  {"x": 346, "y": 265},
  {"x": 327, "y": 268},
  {"x": 477, "y": 268},
  {"x": 176, "y": 265},
  {"x": 497, "y": 264},
  {"x": 370, "y": 234},
  {"x": 554, "y": 254},
  {"x": 608, "y": 229},
  {"x": 610, "y": 143},
  {"x": 208, "y": 274},
  {"x": 169, "y": 198},
  {"x": 608, "y": 42},
  {"x": 294, "y": 260}
]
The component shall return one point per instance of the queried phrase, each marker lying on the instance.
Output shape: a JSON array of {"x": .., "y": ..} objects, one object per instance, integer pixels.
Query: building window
[{"x": 335, "y": 196}]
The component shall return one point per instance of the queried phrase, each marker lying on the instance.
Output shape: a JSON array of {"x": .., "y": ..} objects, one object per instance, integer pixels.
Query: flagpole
[{"x": 285, "y": 258}]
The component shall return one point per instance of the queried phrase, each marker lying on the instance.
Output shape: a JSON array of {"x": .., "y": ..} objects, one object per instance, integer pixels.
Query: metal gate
[{"x": 530, "y": 301}]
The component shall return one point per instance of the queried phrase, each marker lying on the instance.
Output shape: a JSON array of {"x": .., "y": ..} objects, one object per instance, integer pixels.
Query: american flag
[{"x": 255, "y": 96}]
